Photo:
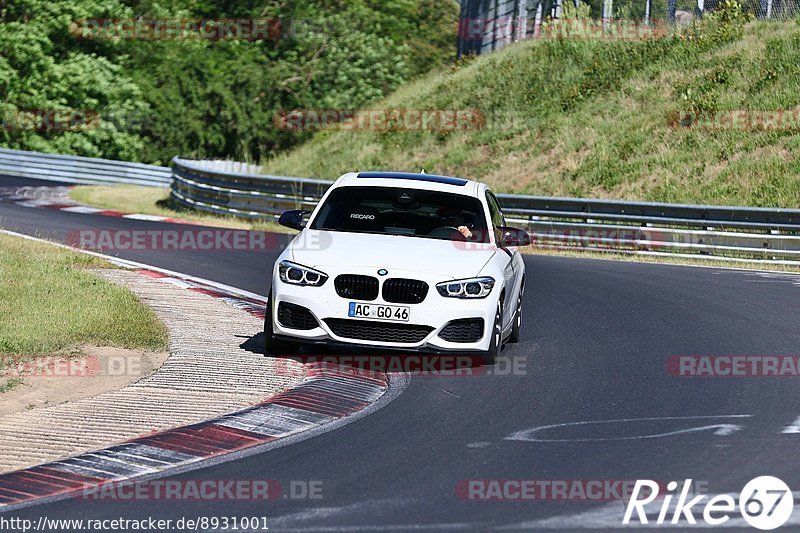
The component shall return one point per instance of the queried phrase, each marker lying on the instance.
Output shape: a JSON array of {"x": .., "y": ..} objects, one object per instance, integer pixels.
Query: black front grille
[
  {"x": 369, "y": 330},
  {"x": 295, "y": 316},
  {"x": 463, "y": 330},
  {"x": 356, "y": 287},
  {"x": 404, "y": 291}
]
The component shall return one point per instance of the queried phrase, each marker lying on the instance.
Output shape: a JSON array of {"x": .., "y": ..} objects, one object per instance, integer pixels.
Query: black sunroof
[{"x": 418, "y": 177}]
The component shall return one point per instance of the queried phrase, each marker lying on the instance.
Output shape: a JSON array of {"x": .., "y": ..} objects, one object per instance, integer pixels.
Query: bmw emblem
[{"x": 382, "y": 272}]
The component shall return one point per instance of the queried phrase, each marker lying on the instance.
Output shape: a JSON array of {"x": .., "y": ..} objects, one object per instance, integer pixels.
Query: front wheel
[
  {"x": 273, "y": 346},
  {"x": 490, "y": 356}
]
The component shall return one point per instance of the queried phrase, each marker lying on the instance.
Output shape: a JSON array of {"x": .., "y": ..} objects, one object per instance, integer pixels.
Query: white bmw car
[{"x": 390, "y": 260}]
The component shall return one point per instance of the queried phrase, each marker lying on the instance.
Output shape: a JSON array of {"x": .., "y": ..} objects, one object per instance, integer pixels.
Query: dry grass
[{"x": 156, "y": 201}]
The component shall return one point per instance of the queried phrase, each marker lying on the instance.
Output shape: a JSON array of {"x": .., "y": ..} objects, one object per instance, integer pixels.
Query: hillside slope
[{"x": 602, "y": 119}]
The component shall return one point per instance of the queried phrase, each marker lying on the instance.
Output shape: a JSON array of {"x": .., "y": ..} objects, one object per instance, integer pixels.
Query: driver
[{"x": 454, "y": 217}]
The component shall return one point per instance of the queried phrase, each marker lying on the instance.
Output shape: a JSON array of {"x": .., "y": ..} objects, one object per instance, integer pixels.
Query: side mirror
[
  {"x": 514, "y": 237},
  {"x": 293, "y": 219}
]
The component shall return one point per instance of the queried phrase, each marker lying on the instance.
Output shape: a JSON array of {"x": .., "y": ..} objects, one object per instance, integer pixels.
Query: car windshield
[{"x": 401, "y": 211}]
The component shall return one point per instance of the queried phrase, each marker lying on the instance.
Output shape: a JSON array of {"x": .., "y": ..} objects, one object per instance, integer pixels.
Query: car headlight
[
  {"x": 295, "y": 274},
  {"x": 466, "y": 288}
]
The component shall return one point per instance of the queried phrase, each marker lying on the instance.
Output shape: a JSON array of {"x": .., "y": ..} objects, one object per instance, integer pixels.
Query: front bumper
[{"x": 435, "y": 311}]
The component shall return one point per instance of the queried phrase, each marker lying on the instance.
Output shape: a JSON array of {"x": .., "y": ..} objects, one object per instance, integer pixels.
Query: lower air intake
[
  {"x": 295, "y": 316},
  {"x": 463, "y": 330},
  {"x": 369, "y": 330}
]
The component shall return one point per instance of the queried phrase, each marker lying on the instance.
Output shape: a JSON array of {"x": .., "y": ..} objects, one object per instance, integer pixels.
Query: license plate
[{"x": 395, "y": 313}]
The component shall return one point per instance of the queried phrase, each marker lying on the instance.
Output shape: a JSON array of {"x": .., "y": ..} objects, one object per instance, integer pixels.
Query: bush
[{"x": 207, "y": 99}]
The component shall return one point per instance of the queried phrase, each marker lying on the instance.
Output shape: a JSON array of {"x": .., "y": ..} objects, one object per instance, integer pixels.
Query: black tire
[
  {"x": 489, "y": 357},
  {"x": 517, "y": 326},
  {"x": 272, "y": 346}
]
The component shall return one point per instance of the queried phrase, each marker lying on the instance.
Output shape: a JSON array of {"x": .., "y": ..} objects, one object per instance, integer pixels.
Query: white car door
[{"x": 510, "y": 260}]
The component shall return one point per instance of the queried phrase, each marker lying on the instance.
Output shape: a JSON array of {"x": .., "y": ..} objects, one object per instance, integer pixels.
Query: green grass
[
  {"x": 9, "y": 384},
  {"x": 592, "y": 118},
  {"x": 156, "y": 201},
  {"x": 49, "y": 304}
]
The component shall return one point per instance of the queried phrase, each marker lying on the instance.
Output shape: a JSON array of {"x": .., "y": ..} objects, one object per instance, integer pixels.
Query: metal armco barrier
[
  {"x": 235, "y": 189},
  {"x": 199, "y": 185},
  {"x": 84, "y": 170},
  {"x": 746, "y": 233}
]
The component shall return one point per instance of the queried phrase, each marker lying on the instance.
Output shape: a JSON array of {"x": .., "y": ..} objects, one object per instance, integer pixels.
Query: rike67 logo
[{"x": 765, "y": 503}]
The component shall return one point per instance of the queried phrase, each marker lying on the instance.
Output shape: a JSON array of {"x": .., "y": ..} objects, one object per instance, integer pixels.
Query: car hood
[{"x": 452, "y": 259}]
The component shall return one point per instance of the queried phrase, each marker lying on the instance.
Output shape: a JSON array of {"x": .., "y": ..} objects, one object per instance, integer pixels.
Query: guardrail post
[
  {"x": 537, "y": 21},
  {"x": 494, "y": 23},
  {"x": 698, "y": 9},
  {"x": 765, "y": 9},
  {"x": 608, "y": 7}
]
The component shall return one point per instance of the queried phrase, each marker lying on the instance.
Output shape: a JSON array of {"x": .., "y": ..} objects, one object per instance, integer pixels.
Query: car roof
[{"x": 431, "y": 182}]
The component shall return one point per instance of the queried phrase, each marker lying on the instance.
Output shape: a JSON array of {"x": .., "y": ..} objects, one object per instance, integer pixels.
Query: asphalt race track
[{"x": 596, "y": 339}]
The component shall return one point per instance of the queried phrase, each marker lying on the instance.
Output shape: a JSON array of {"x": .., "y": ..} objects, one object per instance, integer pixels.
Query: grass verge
[
  {"x": 699, "y": 261},
  {"x": 156, "y": 201},
  {"x": 49, "y": 304}
]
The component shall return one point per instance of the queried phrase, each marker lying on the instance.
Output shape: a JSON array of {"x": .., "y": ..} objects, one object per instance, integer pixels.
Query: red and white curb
[
  {"x": 57, "y": 198},
  {"x": 327, "y": 393},
  {"x": 322, "y": 397}
]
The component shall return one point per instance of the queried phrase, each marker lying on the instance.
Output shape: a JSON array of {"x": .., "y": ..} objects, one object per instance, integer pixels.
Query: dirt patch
[{"x": 83, "y": 373}]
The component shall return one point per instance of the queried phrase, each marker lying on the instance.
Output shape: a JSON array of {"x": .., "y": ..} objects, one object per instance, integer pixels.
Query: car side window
[
  {"x": 495, "y": 214},
  {"x": 494, "y": 210}
]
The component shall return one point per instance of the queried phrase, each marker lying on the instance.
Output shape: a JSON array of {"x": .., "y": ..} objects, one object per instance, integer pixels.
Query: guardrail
[
  {"x": 197, "y": 184},
  {"x": 84, "y": 170},
  {"x": 235, "y": 189},
  {"x": 719, "y": 232}
]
